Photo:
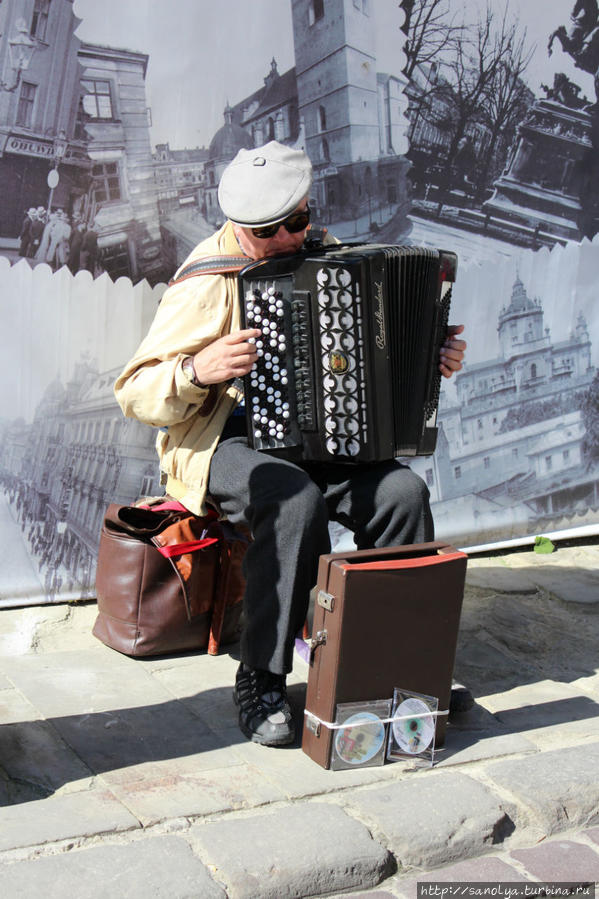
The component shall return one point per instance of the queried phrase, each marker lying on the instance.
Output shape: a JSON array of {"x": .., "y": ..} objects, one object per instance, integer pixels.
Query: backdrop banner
[{"x": 466, "y": 125}]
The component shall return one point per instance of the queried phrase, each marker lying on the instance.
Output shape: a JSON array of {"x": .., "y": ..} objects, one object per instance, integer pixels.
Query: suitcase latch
[
  {"x": 319, "y": 640},
  {"x": 312, "y": 724},
  {"x": 325, "y": 600}
]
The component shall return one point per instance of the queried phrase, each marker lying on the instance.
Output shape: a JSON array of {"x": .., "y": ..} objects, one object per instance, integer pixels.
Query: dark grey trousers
[{"x": 287, "y": 508}]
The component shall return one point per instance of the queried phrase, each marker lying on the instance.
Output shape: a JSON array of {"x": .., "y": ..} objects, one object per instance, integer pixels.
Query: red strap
[
  {"x": 174, "y": 506},
  {"x": 178, "y": 549},
  {"x": 169, "y": 506}
]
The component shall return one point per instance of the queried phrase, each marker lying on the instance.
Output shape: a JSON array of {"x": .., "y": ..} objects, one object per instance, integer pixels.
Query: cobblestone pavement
[{"x": 125, "y": 778}]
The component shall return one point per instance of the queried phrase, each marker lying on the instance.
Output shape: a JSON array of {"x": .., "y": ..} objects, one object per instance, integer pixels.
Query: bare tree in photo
[
  {"x": 430, "y": 31},
  {"x": 477, "y": 97},
  {"x": 507, "y": 98},
  {"x": 471, "y": 71}
]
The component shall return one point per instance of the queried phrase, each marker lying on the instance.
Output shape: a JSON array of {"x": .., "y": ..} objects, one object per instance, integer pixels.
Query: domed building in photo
[{"x": 225, "y": 144}]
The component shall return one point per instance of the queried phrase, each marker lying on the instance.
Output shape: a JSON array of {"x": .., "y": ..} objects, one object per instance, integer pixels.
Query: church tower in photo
[{"x": 338, "y": 97}]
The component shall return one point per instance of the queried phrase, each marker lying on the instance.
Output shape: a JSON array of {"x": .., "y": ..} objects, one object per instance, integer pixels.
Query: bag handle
[
  {"x": 170, "y": 544},
  {"x": 178, "y": 549},
  {"x": 138, "y": 522}
]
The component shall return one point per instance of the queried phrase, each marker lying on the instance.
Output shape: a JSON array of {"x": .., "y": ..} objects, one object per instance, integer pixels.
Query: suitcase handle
[
  {"x": 415, "y": 550},
  {"x": 391, "y": 564}
]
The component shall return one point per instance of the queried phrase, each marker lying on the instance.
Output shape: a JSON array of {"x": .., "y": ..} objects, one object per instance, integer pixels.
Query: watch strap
[{"x": 190, "y": 374}]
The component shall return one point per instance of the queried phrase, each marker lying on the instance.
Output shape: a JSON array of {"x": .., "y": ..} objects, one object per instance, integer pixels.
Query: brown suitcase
[{"x": 383, "y": 618}]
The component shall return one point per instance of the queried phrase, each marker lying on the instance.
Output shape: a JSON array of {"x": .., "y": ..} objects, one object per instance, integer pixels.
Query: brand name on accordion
[{"x": 379, "y": 316}]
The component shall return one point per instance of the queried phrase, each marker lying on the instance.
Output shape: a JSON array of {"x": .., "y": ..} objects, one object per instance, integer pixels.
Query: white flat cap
[{"x": 265, "y": 184}]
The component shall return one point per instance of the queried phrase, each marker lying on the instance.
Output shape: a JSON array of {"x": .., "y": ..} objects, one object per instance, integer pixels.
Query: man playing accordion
[{"x": 183, "y": 379}]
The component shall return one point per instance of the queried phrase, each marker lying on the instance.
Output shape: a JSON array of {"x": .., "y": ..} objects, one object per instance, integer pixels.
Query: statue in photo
[
  {"x": 581, "y": 41},
  {"x": 565, "y": 92},
  {"x": 551, "y": 179}
]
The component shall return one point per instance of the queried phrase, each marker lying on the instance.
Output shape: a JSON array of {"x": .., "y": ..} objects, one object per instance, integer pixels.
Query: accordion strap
[
  {"x": 315, "y": 236},
  {"x": 211, "y": 265},
  {"x": 224, "y": 265}
]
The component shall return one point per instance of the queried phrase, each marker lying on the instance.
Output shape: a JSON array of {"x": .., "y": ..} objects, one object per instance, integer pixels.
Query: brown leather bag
[{"x": 167, "y": 581}]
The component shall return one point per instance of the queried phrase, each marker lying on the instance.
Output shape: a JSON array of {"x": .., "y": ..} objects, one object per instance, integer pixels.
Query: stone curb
[
  {"x": 573, "y": 858},
  {"x": 300, "y": 851},
  {"x": 353, "y": 840},
  {"x": 560, "y": 786},
  {"x": 436, "y": 817},
  {"x": 160, "y": 867}
]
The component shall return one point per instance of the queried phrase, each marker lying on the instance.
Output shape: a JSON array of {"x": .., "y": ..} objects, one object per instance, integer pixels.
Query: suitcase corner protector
[{"x": 312, "y": 724}]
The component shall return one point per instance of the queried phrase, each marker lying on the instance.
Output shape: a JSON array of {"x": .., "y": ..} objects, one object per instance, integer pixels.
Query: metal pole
[{"x": 51, "y": 197}]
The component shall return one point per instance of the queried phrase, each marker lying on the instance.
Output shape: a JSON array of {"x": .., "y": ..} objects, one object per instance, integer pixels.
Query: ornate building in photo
[
  {"x": 179, "y": 177},
  {"x": 352, "y": 118},
  {"x": 74, "y": 136},
  {"x": 512, "y": 444},
  {"x": 225, "y": 144},
  {"x": 78, "y": 455},
  {"x": 334, "y": 104},
  {"x": 38, "y": 110},
  {"x": 121, "y": 200},
  {"x": 271, "y": 113}
]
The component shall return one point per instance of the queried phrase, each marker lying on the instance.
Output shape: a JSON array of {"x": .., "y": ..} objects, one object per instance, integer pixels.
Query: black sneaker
[
  {"x": 264, "y": 713},
  {"x": 461, "y": 700}
]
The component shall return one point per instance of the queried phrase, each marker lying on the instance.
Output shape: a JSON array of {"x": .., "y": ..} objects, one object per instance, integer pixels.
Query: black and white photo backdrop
[{"x": 467, "y": 125}]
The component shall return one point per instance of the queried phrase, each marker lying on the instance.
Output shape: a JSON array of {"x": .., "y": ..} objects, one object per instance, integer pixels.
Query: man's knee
[
  {"x": 291, "y": 492},
  {"x": 405, "y": 488}
]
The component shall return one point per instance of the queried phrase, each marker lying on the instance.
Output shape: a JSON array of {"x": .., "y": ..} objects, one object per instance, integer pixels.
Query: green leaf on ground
[{"x": 543, "y": 545}]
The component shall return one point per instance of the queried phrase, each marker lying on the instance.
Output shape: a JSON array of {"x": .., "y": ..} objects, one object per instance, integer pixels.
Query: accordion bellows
[{"x": 348, "y": 366}]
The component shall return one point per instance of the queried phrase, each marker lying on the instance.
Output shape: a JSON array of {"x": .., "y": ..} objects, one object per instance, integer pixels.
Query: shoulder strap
[
  {"x": 222, "y": 265},
  {"x": 315, "y": 237},
  {"x": 211, "y": 265}
]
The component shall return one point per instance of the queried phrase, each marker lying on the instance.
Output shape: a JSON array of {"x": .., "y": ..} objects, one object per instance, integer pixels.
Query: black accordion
[{"x": 348, "y": 358}]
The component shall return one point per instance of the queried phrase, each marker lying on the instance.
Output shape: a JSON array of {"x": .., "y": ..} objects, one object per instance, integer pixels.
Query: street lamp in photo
[
  {"x": 20, "y": 53},
  {"x": 60, "y": 148}
]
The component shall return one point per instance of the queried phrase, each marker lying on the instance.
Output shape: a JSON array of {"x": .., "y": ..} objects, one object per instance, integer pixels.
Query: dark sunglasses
[{"x": 295, "y": 222}]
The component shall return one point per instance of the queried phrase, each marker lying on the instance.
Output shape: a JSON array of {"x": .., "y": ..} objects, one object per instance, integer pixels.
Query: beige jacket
[{"x": 154, "y": 389}]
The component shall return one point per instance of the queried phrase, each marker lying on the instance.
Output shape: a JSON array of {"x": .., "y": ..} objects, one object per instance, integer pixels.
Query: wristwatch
[{"x": 190, "y": 374}]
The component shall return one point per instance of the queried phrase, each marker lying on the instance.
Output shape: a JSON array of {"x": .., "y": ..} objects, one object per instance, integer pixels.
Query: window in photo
[
  {"x": 107, "y": 184},
  {"x": 97, "y": 101},
  {"x": 26, "y": 101},
  {"x": 39, "y": 19}
]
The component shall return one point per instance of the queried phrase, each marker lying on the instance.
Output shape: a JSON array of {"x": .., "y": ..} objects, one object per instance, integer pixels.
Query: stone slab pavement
[{"x": 122, "y": 777}]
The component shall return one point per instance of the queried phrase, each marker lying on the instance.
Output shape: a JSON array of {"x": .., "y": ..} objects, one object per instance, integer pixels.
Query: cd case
[
  {"x": 412, "y": 733},
  {"x": 361, "y": 742}
]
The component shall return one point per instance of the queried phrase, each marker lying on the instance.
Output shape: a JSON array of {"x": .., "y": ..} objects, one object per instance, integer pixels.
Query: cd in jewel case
[
  {"x": 412, "y": 732},
  {"x": 361, "y": 742}
]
